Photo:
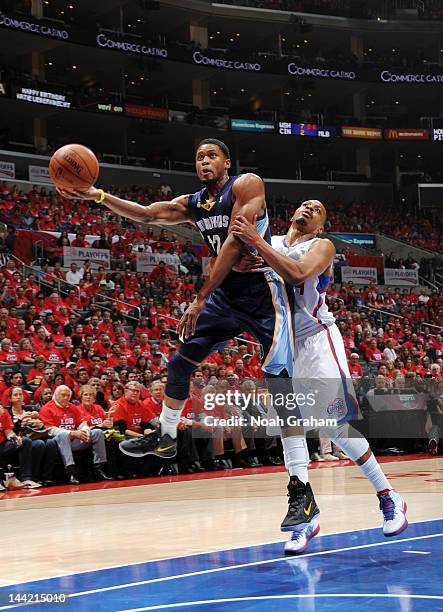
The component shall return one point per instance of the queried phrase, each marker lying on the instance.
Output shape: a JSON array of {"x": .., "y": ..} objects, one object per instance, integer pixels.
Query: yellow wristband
[{"x": 101, "y": 197}]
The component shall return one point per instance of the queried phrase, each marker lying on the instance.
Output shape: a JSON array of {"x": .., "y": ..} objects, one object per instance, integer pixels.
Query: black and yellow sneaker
[
  {"x": 302, "y": 505},
  {"x": 140, "y": 447},
  {"x": 166, "y": 447}
]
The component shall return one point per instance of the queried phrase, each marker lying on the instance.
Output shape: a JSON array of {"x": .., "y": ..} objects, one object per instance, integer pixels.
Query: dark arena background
[{"x": 339, "y": 101}]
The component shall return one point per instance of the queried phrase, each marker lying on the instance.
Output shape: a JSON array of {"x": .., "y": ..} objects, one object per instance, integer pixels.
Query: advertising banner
[
  {"x": 404, "y": 278},
  {"x": 359, "y": 276},
  {"x": 125, "y": 46},
  {"x": 33, "y": 27},
  {"x": 39, "y": 174},
  {"x": 147, "y": 112},
  {"x": 364, "y": 240},
  {"x": 227, "y": 64},
  {"x": 361, "y": 132},
  {"x": 79, "y": 255},
  {"x": 146, "y": 262},
  {"x": 7, "y": 169},
  {"x": 107, "y": 107},
  {"x": 251, "y": 125},
  {"x": 321, "y": 72},
  {"x": 405, "y": 134}
]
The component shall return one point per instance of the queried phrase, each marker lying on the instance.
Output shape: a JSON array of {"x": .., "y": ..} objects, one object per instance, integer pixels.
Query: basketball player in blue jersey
[
  {"x": 305, "y": 260},
  {"x": 230, "y": 302}
]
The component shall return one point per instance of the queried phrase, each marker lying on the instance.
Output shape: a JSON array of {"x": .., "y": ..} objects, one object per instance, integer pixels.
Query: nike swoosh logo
[
  {"x": 308, "y": 510},
  {"x": 166, "y": 448}
]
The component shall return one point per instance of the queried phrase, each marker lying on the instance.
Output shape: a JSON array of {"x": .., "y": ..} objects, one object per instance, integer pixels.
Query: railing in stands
[{"x": 62, "y": 286}]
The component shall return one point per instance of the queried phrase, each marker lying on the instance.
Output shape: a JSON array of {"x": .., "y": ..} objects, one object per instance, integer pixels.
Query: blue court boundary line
[
  {"x": 49, "y": 586},
  {"x": 107, "y": 568}
]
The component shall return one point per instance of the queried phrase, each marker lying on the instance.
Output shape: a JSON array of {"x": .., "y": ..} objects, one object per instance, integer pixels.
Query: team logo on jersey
[
  {"x": 208, "y": 205},
  {"x": 337, "y": 408}
]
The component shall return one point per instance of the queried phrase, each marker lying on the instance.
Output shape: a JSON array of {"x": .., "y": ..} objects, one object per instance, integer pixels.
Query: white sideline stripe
[
  {"x": 416, "y": 552},
  {"x": 265, "y": 597},
  {"x": 191, "y": 554},
  {"x": 234, "y": 567}
]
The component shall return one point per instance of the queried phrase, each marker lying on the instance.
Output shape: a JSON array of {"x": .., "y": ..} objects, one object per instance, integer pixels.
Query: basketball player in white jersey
[{"x": 305, "y": 261}]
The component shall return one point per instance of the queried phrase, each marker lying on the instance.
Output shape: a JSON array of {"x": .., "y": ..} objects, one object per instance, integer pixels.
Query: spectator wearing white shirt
[
  {"x": 389, "y": 353},
  {"x": 74, "y": 275}
]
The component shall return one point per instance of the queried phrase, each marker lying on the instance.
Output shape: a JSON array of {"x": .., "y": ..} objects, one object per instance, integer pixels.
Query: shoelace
[
  {"x": 296, "y": 535},
  {"x": 387, "y": 506}
]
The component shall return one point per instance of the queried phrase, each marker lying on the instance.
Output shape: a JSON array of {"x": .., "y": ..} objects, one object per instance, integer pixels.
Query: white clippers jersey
[{"x": 311, "y": 312}]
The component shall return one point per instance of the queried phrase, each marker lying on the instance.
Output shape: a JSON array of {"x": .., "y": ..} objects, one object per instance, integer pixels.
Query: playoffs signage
[
  {"x": 146, "y": 262},
  {"x": 403, "y": 278},
  {"x": 7, "y": 170},
  {"x": 358, "y": 276},
  {"x": 39, "y": 174},
  {"x": 79, "y": 255}
]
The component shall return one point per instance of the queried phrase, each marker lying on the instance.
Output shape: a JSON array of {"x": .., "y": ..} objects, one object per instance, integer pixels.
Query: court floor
[{"x": 214, "y": 544}]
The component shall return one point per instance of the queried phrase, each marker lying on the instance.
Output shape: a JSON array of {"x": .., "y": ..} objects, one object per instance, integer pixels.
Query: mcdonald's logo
[{"x": 405, "y": 134}]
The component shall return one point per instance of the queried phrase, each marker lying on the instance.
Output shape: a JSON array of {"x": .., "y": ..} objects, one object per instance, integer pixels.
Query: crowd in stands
[{"x": 84, "y": 352}]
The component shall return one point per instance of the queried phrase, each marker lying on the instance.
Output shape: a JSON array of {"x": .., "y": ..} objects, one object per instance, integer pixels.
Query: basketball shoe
[
  {"x": 302, "y": 506},
  {"x": 394, "y": 512},
  {"x": 166, "y": 447},
  {"x": 299, "y": 540}
]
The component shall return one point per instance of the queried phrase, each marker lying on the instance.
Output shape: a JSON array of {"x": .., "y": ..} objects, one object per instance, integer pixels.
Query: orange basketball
[{"x": 73, "y": 167}]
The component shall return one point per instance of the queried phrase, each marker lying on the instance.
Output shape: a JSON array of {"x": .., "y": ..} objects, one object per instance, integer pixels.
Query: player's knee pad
[
  {"x": 179, "y": 374},
  {"x": 349, "y": 440}
]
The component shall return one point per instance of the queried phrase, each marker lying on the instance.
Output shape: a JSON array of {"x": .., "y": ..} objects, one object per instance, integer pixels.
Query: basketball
[{"x": 73, "y": 167}]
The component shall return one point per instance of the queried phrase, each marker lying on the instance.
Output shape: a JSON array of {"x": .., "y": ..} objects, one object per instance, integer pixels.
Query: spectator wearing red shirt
[
  {"x": 50, "y": 352},
  {"x": 154, "y": 403},
  {"x": 7, "y": 354},
  {"x": 374, "y": 353},
  {"x": 68, "y": 424},
  {"x": 129, "y": 414},
  {"x": 355, "y": 368},
  {"x": 95, "y": 415}
]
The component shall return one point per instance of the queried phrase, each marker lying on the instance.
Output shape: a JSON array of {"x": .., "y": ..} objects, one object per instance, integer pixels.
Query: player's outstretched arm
[
  {"x": 161, "y": 213},
  {"x": 249, "y": 195},
  {"x": 317, "y": 259}
]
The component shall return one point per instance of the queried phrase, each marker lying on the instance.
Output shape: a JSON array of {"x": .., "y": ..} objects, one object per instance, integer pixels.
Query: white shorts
[{"x": 321, "y": 370}]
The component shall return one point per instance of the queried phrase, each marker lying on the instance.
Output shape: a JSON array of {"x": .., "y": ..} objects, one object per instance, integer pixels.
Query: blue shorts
[{"x": 257, "y": 303}]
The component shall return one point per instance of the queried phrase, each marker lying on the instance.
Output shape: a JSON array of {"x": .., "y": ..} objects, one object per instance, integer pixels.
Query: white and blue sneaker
[
  {"x": 299, "y": 540},
  {"x": 394, "y": 512}
]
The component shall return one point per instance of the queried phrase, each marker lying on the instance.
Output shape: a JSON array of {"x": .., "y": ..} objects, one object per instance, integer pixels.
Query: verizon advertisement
[
  {"x": 403, "y": 278},
  {"x": 358, "y": 276}
]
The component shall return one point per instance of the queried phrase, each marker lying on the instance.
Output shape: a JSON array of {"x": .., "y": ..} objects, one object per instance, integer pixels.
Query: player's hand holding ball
[{"x": 74, "y": 170}]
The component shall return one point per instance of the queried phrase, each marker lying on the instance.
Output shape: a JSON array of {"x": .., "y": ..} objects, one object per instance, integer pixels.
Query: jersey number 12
[{"x": 215, "y": 243}]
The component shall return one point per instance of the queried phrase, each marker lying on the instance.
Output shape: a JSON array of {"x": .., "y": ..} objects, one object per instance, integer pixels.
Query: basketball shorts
[
  {"x": 256, "y": 303},
  {"x": 321, "y": 370}
]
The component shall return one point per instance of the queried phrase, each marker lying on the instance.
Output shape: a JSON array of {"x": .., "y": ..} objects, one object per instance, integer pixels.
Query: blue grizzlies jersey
[{"x": 212, "y": 216}]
